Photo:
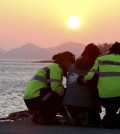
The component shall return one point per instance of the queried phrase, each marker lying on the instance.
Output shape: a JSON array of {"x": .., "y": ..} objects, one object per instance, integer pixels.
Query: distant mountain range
[
  {"x": 31, "y": 51},
  {"x": 2, "y": 51}
]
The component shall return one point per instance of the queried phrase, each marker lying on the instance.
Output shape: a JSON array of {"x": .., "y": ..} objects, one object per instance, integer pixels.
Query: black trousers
[
  {"x": 111, "y": 105},
  {"x": 50, "y": 107},
  {"x": 93, "y": 114}
]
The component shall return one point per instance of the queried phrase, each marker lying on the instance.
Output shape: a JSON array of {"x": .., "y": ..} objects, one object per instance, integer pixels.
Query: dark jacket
[{"x": 81, "y": 95}]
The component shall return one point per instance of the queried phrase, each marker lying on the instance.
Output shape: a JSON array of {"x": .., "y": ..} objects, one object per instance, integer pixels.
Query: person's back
[
  {"x": 108, "y": 69},
  {"x": 79, "y": 94},
  {"x": 109, "y": 76},
  {"x": 37, "y": 83},
  {"x": 80, "y": 98}
]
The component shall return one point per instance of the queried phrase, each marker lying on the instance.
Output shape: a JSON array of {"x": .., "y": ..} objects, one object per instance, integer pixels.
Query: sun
[{"x": 74, "y": 22}]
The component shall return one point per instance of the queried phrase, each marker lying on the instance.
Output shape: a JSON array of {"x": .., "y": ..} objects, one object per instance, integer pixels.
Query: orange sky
[{"x": 44, "y": 22}]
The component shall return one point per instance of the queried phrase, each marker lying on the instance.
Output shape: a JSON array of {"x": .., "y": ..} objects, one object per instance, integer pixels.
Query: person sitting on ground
[
  {"x": 82, "y": 100},
  {"x": 45, "y": 90}
]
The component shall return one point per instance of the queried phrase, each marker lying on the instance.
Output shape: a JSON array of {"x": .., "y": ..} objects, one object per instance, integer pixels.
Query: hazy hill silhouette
[
  {"x": 31, "y": 51},
  {"x": 27, "y": 51},
  {"x": 2, "y": 51},
  {"x": 76, "y": 48}
]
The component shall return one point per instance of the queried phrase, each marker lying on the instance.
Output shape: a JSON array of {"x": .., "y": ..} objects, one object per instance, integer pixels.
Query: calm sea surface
[{"x": 14, "y": 77}]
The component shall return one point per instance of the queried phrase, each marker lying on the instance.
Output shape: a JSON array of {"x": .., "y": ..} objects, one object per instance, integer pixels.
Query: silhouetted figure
[{"x": 82, "y": 99}]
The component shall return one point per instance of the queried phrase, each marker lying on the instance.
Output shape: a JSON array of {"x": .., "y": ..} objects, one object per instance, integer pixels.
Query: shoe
[
  {"x": 42, "y": 120},
  {"x": 35, "y": 117}
]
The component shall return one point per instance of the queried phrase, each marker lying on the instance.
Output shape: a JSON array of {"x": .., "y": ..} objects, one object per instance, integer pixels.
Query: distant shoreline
[
  {"x": 25, "y": 60},
  {"x": 43, "y": 61}
]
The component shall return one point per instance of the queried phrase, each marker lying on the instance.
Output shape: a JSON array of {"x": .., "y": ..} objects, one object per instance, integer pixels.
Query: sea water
[{"x": 14, "y": 77}]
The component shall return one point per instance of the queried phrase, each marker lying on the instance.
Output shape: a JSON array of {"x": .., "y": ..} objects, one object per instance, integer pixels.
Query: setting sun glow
[
  {"x": 48, "y": 23},
  {"x": 74, "y": 22}
]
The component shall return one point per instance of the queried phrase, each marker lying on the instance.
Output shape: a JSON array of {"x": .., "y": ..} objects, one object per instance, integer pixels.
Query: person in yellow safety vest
[
  {"x": 44, "y": 93},
  {"x": 107, "y": 68}
]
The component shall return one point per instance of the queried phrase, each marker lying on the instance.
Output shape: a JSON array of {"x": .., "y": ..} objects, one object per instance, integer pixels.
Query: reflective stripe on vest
[
  {"x": 94, "y": 70},
  {"x": 44, "y": 80},
  {"x": 49, "y": 94},
  {"x": 105, "y": 74},
  {"x": 46, "y": 96},
  {"x": 108, "y": 62},
  {"x": 45, "y": 69}
]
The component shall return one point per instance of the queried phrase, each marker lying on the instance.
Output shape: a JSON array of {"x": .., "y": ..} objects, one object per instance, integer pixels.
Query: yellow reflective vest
[
  {"x": 40, "y": 81},
  {"x": 108, "y": 69}
]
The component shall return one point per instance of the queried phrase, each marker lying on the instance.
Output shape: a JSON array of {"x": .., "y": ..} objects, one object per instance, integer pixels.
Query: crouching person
[
  {"x": 44, "y": 93},
  {"x": 82, "y": 99}
]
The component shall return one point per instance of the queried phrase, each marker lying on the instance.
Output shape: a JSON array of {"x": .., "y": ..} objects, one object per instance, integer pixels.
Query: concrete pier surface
[{"x": 19, "y": 127}]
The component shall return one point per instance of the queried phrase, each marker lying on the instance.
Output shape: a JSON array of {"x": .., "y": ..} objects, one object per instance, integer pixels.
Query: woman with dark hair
[
  {"x": 44, "y": 93},
  {"x": 82, "y": 100}
]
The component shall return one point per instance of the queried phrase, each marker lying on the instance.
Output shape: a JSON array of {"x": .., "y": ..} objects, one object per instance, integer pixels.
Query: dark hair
[
  {"x": 91, "y": 50},
  {"x": 115, "y": 48},
  {"x": 65, "y": 56},
  {"x": 56, "y": 56}
]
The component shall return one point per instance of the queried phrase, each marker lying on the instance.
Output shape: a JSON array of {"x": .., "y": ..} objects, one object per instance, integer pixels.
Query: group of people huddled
[{"x": 92, "y": 83}]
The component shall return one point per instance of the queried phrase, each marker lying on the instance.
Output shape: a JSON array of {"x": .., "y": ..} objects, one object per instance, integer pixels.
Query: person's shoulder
[
  {"x": 103, "y": 56},
  {"x": 54, "y": 66}
]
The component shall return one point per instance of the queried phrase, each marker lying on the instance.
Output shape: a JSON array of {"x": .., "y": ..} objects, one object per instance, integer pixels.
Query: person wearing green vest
[
  {"x": 44, "y": 93},
  {"x": 107, "y": 68}
]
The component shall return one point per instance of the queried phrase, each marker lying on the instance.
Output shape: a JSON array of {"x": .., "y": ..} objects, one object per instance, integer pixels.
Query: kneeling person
[{"x": 45, "y": 90}]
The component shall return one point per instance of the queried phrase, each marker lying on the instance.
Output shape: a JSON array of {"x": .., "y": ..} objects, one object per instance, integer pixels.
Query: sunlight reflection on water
[{"x": 14, "y": 77}]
